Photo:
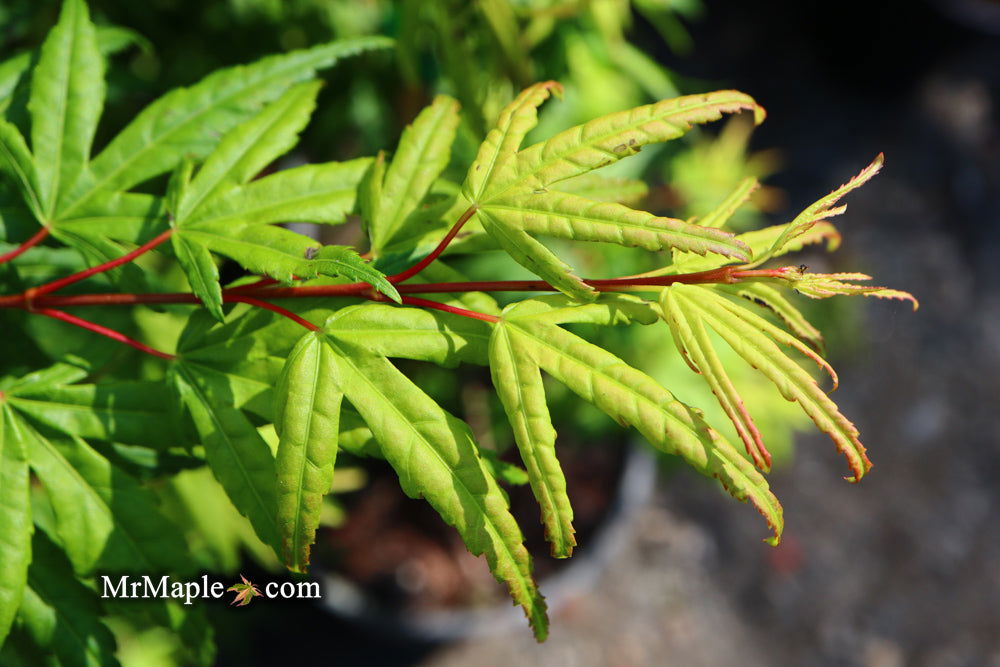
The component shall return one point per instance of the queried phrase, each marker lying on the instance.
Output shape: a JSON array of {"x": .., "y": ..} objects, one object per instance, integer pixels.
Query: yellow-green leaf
[
  {"x": 568, "y": 216},
  {"x": 633, "y": 398},
  {"x": 695, "y": 346},
  {"x": 756, "y": 340},
  {"x": 498, "y": 150},
  {"x": 518, "y": 383},
  {"x": 436, "y": 457},
  {"x": 820, "y": 210},
  {"x": 307, "y": 416},
  {"x": 606, "y": 140},
  {"x": 423, "y": 153}
]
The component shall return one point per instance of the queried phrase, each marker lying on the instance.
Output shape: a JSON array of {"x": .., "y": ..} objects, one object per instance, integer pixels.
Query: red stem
[
  {"x": 423, "y": 264},
  {"x": 104, "y": 331},
  {"x": 436, "y": 305},
  {"x": 32, "y": 294},
  {"x": 724, "y": 275},
  {"x": 274, "y": 309},
  {"x": 263, "y": 282},
  {"x": 35, "y": 239}
]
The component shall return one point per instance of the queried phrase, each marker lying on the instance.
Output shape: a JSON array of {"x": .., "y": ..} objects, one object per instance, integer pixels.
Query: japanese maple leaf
[{"x": 244, "y": 592}]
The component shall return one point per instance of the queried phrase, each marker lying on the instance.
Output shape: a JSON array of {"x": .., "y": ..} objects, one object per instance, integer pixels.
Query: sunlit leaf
[
  {"x": 571, "y": 217},
  {"x": 307, "y": 415},
  {"x": 201, "y": 271},
  {"x": 768, "y": 297},
  {"x": 249, "y": 147},
  {"x": 411, "y": 333},
  {"x": 67, "y": 96},
  {"x": 518, "y": 383},
  {"x": 823, "y": 285},
  {"x": 189, "y": 121},
  {"x": 423, "y": 153},
  {"x": 606, "y": 140},
  {"x": 311, "y": 193},
  {"x": 436, "y": 458},
  {"x": 757, "y": 340},
  {"x": 502, "y": 143},
  {"x": 598, "y": 188},
  {"x": 633, "y": 398},
  {"x": 820, "y": 210}
]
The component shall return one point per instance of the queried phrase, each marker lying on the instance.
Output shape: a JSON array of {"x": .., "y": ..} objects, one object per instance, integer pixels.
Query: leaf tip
[
  {"x": 745, "y": 254},
  {"x": 554, "y": 86},
  {"x": 860, "y": 470},
  {"x": 388, "y": 289}
]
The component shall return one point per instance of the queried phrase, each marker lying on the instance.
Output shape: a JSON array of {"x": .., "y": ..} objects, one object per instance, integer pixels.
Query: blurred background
[{"x": 903, "y": 569}]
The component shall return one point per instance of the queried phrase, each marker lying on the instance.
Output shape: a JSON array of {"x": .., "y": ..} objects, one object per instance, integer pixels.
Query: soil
[{"x": 421, "y": 563}]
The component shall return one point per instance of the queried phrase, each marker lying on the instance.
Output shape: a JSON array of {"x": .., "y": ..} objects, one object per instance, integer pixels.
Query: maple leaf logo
[{"x": 245, "y": 592}]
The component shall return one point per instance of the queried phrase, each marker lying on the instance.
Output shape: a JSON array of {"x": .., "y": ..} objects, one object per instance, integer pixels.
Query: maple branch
[
  {"x": 35, "y": 239},
  {"x": 436, "y": 305},
  {"x": 724, "y": 275},
  {"x": 274, "y": 309},
  {"x": 104, "y": 331},
  {"x": 434, "y": 254},
  {"x": 32, "y": 294}
]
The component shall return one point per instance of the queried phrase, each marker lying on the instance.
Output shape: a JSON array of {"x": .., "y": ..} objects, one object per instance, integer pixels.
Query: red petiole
[
  {"x": 104, "y": 331},
  {"x": 274, "y": 309},
  {"x": 436, "y": 305},
  {"x": 35, "y": 239}
]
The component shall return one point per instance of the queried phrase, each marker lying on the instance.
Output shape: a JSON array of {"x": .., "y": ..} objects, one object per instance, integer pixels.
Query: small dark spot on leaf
[
  {"x": 632, "y": 142},
  {"x": 477, "y": 167},
  {"x": 311, "y": 252},
  {"x": 620, "y": 147}
]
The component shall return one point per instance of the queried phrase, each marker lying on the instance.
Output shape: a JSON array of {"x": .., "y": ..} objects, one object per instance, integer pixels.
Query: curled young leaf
[
  {"x": 819, "y": 211},
  {"x": 823, "y": 285}
]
